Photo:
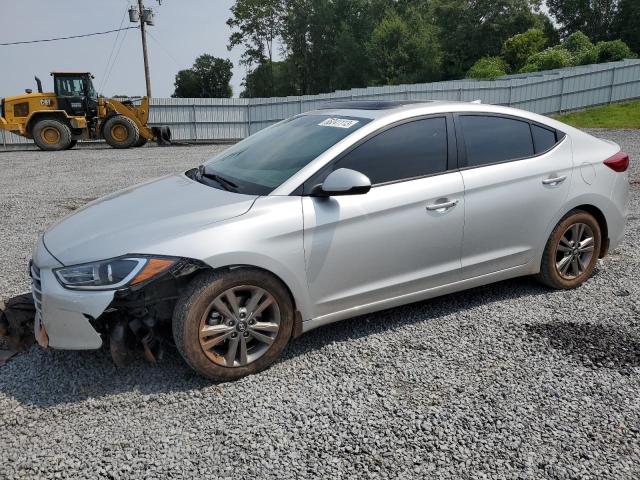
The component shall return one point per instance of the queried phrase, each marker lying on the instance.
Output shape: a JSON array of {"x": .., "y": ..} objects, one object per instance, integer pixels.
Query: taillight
[{"x": 619, "y": 162}]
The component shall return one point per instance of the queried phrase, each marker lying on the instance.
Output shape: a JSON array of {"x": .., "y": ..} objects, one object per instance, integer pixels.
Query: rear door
[
  {"x": 517, "y": 176},
  {"x": 404, "y": 236}
]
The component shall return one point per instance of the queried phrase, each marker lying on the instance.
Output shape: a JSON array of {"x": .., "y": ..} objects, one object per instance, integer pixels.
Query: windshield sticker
[{"x": 338, "y": 123}]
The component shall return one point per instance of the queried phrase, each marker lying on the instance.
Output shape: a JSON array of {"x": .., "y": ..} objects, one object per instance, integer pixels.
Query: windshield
[{"x": 262, "y": 162}]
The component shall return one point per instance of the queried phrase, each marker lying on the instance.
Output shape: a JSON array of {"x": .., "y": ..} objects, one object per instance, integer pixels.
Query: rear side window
[
  {"x": 543, "y": 138},
  {"x": 410, "y": 150},
  {"x": 495, "y": 139}
]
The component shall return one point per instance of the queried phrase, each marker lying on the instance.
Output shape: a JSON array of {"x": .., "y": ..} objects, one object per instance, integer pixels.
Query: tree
[
  {"x": 208, "y": 78},
  {"x": 404, "y": 51},
  {"x": 258, "y": 24},
  {"x": 627, "y": 25},
  {"x": 581, "y": 49},
  {"x": 594, "y": 17},
  {"x": 517, "y": 49},
  {"x": 613, "y": 51},
  {"x": 471, "y": 30},
  {"x": 270, "y": 80},
  {"x": 487, "y": 68},
  {"x": 549, "y": 59}
]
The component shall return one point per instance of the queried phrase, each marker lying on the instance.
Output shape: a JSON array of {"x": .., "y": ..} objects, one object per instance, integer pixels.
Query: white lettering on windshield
[{"x": 338, "y": 123}]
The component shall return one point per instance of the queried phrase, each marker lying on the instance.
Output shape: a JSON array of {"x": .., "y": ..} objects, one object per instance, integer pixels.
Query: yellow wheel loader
[{"x": 56, "y": 121}]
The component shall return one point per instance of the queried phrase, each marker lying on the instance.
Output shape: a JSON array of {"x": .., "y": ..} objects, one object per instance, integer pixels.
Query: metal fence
[{"x": 553, "y": 91}]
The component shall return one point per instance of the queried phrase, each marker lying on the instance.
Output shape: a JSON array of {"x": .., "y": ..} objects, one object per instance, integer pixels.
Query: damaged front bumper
[{"x": 62, "y": 318}]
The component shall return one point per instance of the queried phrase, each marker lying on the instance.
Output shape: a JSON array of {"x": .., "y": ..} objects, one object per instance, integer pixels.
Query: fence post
[
  {"x": 460, "y": 94},
  {"x": 248, "y": 117},
  {"x": 613, "y": 79},
  {"x": 561, "y": 95},
  {"x": 4, "y": 140},
  {"x": 194, "y": 124},
  {"x": 510, "y": 92}
]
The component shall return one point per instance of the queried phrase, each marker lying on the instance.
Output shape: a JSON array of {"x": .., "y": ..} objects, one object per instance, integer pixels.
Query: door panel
[
  {"x": 509, "y": 207},
  {"x": 365, "y": 248}
]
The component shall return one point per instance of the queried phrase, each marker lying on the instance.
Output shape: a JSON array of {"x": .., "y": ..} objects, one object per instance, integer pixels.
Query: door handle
[
  {"x": 442, "y": 206},
  {"x": 554, "y": 181}
]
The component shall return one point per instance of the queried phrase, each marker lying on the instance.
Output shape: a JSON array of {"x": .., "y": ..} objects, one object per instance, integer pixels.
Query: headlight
[{"x": 112, "y": 274}]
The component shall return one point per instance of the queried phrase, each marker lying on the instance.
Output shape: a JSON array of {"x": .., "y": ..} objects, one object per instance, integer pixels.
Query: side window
[
  {"x": 495, "y": 139},
  {"x": 543, "y": 138},
  {"x": 406, "y": 151}
]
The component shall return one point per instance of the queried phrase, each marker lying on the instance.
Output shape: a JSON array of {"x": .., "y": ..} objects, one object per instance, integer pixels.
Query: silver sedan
[{"x": 334, "y": 213}]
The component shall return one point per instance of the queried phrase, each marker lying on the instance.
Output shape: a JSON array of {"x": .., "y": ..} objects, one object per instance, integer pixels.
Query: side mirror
[{"x": 343, "y": 181}]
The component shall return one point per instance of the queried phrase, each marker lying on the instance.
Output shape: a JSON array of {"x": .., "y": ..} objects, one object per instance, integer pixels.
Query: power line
[
  {"x": 166, "y": 51},
  {"x": 67, "y": 38},
  {"x": 115, "y": 60},
  {"x": 113, "y": 48}
]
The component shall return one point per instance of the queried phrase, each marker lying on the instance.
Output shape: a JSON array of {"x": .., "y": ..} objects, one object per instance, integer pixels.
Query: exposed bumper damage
[{"x": 131, "y": 320}]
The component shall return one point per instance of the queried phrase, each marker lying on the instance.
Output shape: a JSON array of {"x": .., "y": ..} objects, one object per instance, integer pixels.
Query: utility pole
[
  {"x": 144, "y": 47},
  {"x": 145, "y": 17}
]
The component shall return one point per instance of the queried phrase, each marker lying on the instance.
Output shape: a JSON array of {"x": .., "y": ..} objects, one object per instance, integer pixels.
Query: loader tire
[
  {"x": 51, "y": 135},
  {"x": 72, "y": 144},
  {"x": 120, "y": 132}
]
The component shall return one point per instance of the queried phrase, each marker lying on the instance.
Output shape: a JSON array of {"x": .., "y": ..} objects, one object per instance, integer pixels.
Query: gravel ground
[{"x": 504, "y": 381}]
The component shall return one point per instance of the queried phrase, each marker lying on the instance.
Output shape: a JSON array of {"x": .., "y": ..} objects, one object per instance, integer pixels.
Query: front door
[{"x": 402, "y": 237}]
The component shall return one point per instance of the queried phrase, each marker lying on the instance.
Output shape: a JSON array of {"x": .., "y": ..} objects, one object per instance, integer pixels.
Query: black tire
[
  {"x": 141, "y": 142},
  {"x": 72, "y": 144},
  {"x": 120, "y": 132},
  {"x": 193, "y": 307},
  {"x": 558, "y": 248},
  {"x": 51, "y": 135}
]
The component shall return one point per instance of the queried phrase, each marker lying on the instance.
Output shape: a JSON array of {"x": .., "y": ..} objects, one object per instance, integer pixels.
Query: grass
[{"x": 618, "y": 115}]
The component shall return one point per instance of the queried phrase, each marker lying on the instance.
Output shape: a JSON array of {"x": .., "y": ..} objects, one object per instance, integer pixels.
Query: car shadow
[
  {"x": 594, "y": 346},
  {"x": 46, "y": 377}
]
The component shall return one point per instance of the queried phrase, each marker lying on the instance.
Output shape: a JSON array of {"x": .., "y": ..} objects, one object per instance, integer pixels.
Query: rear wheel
[
  {"x": 572, "y": 251},
  {"x": 51, "y": 135},
  {"x": 120, "y": 132},
  {"x": 230, "y": 324}
]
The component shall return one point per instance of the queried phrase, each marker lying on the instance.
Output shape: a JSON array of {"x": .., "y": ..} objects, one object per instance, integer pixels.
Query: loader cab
[{"x": 75, "y": 93}]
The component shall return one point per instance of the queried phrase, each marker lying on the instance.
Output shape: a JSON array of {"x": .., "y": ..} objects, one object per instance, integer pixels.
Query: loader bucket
[
  {"x": 162, "y": 135},
  {"x": 17, "y": 316}
]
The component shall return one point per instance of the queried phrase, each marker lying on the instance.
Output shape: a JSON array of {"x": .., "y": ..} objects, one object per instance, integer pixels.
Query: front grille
[{"x": 36, "y": 289}]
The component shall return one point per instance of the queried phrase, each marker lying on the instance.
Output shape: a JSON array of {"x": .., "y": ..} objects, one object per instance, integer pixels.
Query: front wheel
[
  {"x": 120, "y": 132},
  {"x": 231, "y": 324},
  {"x": 572, "y": 251}
]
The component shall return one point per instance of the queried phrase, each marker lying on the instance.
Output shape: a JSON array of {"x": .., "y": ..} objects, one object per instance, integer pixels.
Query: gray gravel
[{"x": 504, "y": 381}]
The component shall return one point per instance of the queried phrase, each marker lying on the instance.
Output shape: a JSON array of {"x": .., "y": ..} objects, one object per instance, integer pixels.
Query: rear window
[
  {"x": 543, "y": 138},
  {"x": 491, "y": 139}
]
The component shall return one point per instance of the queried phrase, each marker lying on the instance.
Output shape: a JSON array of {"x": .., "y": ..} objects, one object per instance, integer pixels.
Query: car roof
[{"x": 398, "y": 110}]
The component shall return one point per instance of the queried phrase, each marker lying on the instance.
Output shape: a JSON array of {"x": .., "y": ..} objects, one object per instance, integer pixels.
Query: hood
[{"x": 131, "y": 220}]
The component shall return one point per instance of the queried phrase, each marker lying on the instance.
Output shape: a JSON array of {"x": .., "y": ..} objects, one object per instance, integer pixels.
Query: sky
[{"x": 184, "y": 29}]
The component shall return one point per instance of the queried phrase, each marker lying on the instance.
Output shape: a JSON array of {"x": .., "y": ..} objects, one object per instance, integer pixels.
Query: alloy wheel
[
  {"x": 239, "y": 326},
  {"x": 575, "y": 251}
]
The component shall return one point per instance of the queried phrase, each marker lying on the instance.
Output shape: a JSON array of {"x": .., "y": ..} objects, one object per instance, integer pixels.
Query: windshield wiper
[{"x": 224, "y": 183}]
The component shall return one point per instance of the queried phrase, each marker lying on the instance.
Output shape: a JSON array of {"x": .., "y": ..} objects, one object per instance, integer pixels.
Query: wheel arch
[
  {"x": 46, "y": 115},
  {"x": 598, "y": 214},
  {"x": 297, "y": 301}
]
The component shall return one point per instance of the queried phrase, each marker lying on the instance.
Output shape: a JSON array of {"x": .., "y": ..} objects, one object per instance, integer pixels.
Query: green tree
[
  {"x": 596, "y": 18},
  {"x": 549, "y": 59},
  {"x": 404, "y": 50},
  {"x": 581, "y": 49},
  {"x": 517, "y": 49},
  {"x": 270, "y": 80},
  {"x": 613, "y": 51},
  {"x": 627, "y": 25},
  {"x": 208, "y": 78},
  {"x": 257, "y": 25},
  {"x": 471, "y": 30},
  {"x": 487, "y": 68}
]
